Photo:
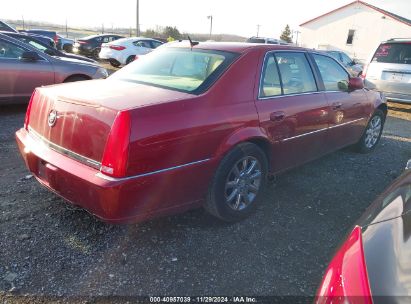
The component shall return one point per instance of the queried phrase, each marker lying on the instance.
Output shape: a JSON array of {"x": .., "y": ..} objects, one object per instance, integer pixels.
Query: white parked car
[{"x": 123, "y": 51}]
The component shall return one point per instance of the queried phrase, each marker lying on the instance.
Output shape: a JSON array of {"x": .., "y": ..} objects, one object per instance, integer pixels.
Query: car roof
[{"x": 236, "y": 47}]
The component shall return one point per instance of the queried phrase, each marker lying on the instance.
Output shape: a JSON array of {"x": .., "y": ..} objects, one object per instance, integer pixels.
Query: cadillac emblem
[{"x": 52, "y": 119}]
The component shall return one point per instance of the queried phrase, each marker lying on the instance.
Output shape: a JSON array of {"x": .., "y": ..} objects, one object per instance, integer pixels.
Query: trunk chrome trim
[
  {"x": 321, "y": 130},
  {"x": 120, "y": 179},
  {"x": 64, "y": 151}
]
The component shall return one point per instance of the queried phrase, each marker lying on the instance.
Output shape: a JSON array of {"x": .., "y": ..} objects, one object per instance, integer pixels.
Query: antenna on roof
[{"x": 192, "y": 43}]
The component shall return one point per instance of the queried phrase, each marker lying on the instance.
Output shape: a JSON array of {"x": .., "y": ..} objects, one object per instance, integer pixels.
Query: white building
[{"x": 356, "y": 28}]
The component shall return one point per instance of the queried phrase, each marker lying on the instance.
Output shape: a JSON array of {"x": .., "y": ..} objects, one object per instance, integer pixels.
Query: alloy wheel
[
  {"x": 373, "y": 132},
  {"x": 243, "y": 183}
]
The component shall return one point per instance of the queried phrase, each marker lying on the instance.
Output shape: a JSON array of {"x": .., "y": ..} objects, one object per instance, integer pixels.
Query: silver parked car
[
  {"x": 353, "y": 67},
  {"x": 389, "y": 70},
  {"x": 23, "y": 68}
]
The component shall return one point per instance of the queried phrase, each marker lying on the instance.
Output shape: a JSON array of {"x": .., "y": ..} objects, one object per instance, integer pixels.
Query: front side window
[
  {"x": 155, "y": 44},
  {"x": 9, "y": 50},
  {"x": 335, "y": 78},
  {"x": 178, "y": 69}
]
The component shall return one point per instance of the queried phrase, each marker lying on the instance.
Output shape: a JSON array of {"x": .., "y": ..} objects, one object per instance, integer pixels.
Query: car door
[
  {"x": 348, "y": 109},
  {"x": 20, "y": 77},
  {"x": 292, "y": 111}
]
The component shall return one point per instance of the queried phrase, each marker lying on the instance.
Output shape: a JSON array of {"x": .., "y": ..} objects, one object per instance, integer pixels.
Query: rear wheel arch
[{"x": 244, "y": 136}]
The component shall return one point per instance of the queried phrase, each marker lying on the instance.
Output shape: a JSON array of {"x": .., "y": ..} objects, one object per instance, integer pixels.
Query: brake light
[
  {"x": 117, "y": 47},
  {"x": 82, "y": 42},
  {"x": 27, "y": 118},
  {"x": 346, "y": 276},
  {"x": 115, "y": 155},
  {"x": 56, "y": 39}
]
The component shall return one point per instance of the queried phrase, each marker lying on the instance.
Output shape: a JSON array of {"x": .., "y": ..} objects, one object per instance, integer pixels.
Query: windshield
[
  {"x": 393, "y": 53},
  {"x": 178, "y": 69}
]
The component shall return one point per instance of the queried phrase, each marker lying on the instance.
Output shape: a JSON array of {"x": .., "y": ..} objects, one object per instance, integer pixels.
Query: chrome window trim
[
  {"x": 283, "y": 95},
  {"x": 120, "y": 179},
  {"x": 324, "y": 129},
  {"x": 64, "y": 151}
]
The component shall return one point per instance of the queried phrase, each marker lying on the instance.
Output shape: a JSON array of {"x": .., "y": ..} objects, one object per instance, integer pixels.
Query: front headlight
[{"x": 102, "y": 72}]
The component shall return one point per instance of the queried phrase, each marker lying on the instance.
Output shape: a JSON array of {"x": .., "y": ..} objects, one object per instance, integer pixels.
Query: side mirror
[
  {"x": 355, "y": 83},
  {"x": 30, "y": 56},
  {"x": 408, "y": 165}
]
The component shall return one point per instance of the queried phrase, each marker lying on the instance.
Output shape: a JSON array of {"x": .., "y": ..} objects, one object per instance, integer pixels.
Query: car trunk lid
[{"x": 76, "y": 118}]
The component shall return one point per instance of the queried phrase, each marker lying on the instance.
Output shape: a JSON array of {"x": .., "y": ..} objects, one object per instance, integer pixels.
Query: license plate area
[{"x": 396, "y": 77}]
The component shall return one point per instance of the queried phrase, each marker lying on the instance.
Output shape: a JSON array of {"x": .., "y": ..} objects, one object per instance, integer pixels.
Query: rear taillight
[
  {"x": 115, "y": 155},
  {"x": 27, "y": 118},
  {"x": 117, "y": 47},
  {"x": 346, "y": 276},
  {"x": 81, "y": 42},
  {"x": 56, "y": 39}
]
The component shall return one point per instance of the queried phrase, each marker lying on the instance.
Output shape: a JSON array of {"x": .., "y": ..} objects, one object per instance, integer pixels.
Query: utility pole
[
  {"x": 258, "y": 29},
  {"x": 211, "y": 24},
  {"x": 102, "y": 28},
  {"x": 66, "y": 29},
  {"x": 138, "y": 19},
  {"x": 22, "y": 17}
]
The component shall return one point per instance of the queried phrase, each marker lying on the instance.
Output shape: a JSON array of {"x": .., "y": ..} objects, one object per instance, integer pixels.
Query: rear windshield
[
  {"x": 393, "y": 53},
  {"x": 186, "y": 70},
  {"x": 256, "y": 40}
]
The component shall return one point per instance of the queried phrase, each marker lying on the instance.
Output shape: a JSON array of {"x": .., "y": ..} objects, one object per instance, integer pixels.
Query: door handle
[
  {"x": 277, "y": 116},
  {"x": 336, "y": 105}
]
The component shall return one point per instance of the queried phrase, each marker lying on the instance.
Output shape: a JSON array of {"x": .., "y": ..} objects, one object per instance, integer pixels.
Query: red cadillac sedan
[{"x": 194, "y": 125}]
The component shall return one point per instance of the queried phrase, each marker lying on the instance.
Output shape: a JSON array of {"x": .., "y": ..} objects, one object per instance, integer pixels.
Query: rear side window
[
  {"x": 393, "y": 53},
  {"x": 256, "y": 40},
  {"x": 287, "y": 73},
  {"x": 335, "y": 78}
]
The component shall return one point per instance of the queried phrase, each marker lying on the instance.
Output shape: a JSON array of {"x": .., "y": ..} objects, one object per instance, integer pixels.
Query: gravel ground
[{"x": 50, "y": 249}]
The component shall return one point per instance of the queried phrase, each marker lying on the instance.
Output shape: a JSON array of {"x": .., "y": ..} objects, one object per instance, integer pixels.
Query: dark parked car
[
  {"x": 45, "y": 41},
  {"x": 91, "y": 45},
  {"x": 7, "y": 28},
  {"x": 194, "y": 125},
  {"x": 373, "y": 265},
  {"x": 355, "y": 68},
  {"x": 65, "y": 44},
  {"x": 23, "y": 68},
  {"x": 51, "y": 34},
  {"x": 38, "y": 42}
]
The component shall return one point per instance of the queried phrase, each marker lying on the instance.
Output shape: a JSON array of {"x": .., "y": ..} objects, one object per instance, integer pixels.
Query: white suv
[{"x": 389, "y": 70}]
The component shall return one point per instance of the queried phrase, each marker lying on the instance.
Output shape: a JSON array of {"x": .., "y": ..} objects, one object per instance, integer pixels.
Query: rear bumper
[{"x": 111, "y": 200}]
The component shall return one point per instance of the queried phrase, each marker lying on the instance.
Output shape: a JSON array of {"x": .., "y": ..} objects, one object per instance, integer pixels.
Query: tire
[
  {"x": 372, "y": 133},
  {"x": 114, "y": 63},
  {"x": 76, "y": 78},
  {"x": 231, "y": 188},
  {"x": 96, "y": 53},
  {"x": 130, "y": 59}
]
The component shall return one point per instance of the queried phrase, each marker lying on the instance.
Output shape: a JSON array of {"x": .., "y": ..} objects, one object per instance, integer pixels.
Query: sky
[{"x": 229, "y": 16}]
